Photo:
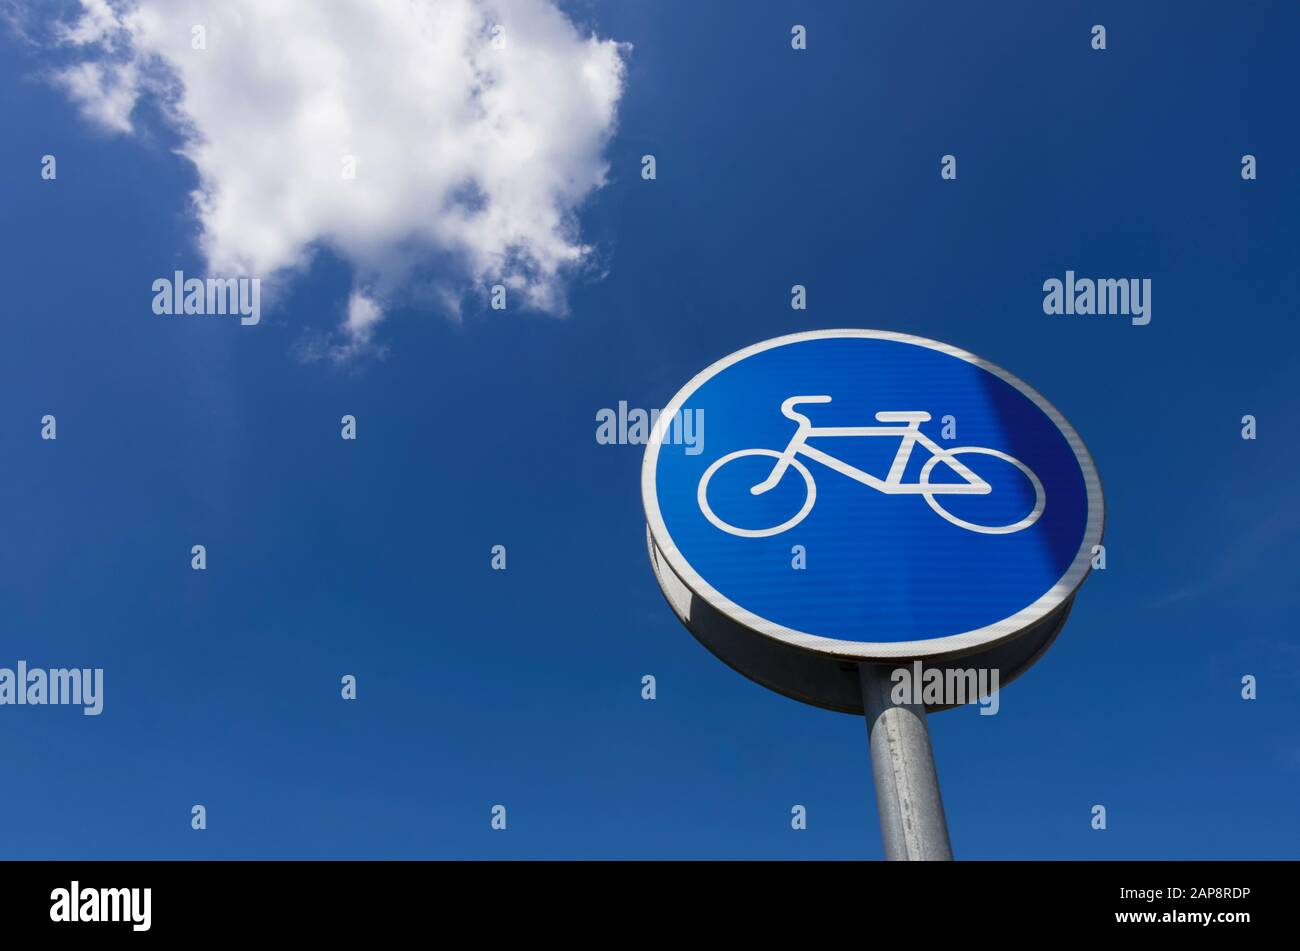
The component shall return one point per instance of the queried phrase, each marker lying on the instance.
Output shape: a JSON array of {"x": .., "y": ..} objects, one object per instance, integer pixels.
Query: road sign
[{"x": 868, "y": 497}]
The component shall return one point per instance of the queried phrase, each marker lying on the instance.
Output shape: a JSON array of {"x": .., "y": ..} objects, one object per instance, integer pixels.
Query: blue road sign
[{"x": 872, "y": 496}]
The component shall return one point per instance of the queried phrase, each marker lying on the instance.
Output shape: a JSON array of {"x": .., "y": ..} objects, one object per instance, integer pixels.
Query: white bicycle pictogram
[{"x": 892, "y": 484}]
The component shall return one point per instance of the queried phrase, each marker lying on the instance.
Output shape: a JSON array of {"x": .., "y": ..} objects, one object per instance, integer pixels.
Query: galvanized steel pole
[{"x": 912, "y": 824}]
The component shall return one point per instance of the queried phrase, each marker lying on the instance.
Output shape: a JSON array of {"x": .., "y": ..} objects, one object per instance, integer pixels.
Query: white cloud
[
  {"x": 354, "y": 337},
  {"x": 106, "y": 95},
  {"x": 363, "y": 314},
  {"x": 98, "y": 22},
  {"x": 470, "y": 160}
]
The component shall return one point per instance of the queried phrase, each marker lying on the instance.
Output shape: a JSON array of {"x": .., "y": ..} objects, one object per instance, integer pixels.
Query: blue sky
[{"x": 522, "y": 687}]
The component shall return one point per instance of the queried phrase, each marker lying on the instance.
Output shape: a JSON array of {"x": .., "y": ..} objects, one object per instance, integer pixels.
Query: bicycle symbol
[{"x": 892, "y": 484}]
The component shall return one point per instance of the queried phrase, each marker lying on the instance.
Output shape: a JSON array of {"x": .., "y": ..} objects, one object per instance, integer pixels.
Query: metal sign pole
[{"x": 912, "y": 823}]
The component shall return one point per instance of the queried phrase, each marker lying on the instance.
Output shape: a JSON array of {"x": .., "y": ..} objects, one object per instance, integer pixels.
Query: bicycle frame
[{"x": 892, "y": 484}]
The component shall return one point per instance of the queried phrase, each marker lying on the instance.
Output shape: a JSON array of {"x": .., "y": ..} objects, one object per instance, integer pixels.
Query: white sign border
[{"x": 944, "y": 646}]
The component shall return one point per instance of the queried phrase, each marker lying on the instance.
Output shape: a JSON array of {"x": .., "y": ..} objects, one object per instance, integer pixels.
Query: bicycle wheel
[
  {"x": 1040, "y": 498},
  {"x": 702, "y": 496}
]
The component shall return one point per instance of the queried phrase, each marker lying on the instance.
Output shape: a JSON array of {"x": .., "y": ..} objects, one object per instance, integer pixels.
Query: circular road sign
[{"x": 862, "y": 496}]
